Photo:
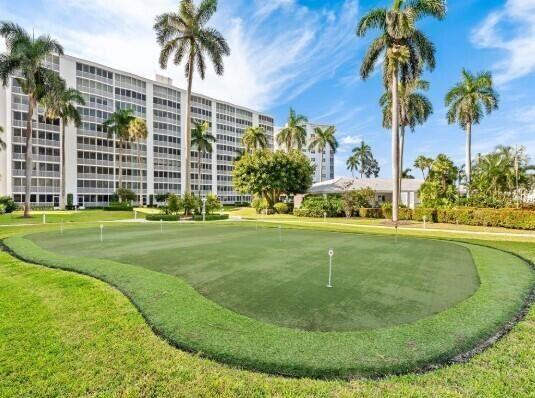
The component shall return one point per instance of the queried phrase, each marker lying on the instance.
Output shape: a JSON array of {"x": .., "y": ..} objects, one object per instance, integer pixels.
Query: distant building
[
  {"x": 325, "y": 171},
  {"x": 382, "y": 188}
]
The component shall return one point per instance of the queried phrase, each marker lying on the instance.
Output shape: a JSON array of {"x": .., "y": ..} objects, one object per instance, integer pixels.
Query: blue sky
[{"x": 304, "y": 54}]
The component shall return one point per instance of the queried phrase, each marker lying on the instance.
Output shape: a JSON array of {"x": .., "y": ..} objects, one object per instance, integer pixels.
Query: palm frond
[{"x": 374, "y": 19}]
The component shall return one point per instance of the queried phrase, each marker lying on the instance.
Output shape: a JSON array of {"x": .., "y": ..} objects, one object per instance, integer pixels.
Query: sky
[{"x": 305, "y": 54}]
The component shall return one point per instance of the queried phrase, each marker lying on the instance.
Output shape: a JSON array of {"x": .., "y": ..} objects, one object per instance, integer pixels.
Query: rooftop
[{"x": 341, "y": 184}]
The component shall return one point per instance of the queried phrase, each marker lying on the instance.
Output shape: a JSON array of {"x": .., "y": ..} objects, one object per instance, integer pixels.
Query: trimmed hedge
[
  {"x": 370, "y": 212},
  {"x": 506, "y": 218},
  {"x": 119, "y": 208},
  {"x": 176, "y": 217},
  {"x": 281, "y": 208},
  {"x": 420, "y": 212},
  {"x": 211, "y": 217}
]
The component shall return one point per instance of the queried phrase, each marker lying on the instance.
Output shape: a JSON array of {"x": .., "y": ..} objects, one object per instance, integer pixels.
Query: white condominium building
[
  {"x": 153, "y": 168},
  {"x": 324, "y": 169}
]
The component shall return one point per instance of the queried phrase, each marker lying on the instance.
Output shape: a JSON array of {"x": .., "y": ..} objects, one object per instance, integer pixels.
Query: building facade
[
  {"x": 324, "y": 168},
  {"x": 151, "y": 167}
]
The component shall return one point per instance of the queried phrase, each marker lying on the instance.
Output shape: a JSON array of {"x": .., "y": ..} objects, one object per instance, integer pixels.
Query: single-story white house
[{"x": 381, "y": 186}]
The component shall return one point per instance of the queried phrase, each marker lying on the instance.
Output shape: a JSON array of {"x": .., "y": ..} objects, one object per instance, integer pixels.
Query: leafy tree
[
  {"x": 423, "y": 163},
  {"x": 294, "y": 134},
  {"x": 468, "y": 101},
  {"x": 201, "y": 140},
  {"x": 322, "y": 139},
  {"x": 363, "y": 162},
  {"x": 26, "y": 55},
  {"x": 212, "y": 203},
  {"x": 439, "y": 188},
  {"x": 174, "y": 204},
  {"x": 406, "y": 52},
  {"x": 270, "y": 174},
  {"x": 125, "y": 194},
  {"x": 185, "y": 34},
  {"x": 254, "y": 138},
  {"x": 355, "y": 199},
  {"x": 60, "y": 103},
  {"x": 118, "y": 127},
  {"x": 189, "y": 203},
  {"x": 137, "y": 130}
]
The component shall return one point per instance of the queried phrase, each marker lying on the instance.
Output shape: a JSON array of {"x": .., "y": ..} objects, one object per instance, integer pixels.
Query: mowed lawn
[{"x": 279, "y": 275}]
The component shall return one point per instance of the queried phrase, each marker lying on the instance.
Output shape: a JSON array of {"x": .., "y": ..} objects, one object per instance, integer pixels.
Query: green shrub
[
  {"x": 9, "y": 204},
  {"x": 125, "y": 194},
  {"x": 370, "y": 212},
  {"x": 301, "y": 212},
  {"x": 70, "y": 202},
  {"x": 116, "y": 206},
  {"x": 319, "y": 205},
  {"x": 429, "y": 214},
  {"x": 282, "y": 208},
  {"x": 506, "y": 218},
  {"x": 163, "y": 217},
  {"x": 2, "y": 208},
  {"x": 405, "y": 214},
  {"x": 212, "y": 203},
  {"x": 211, "y": 217},
  {"x": 259, "y": 204}
]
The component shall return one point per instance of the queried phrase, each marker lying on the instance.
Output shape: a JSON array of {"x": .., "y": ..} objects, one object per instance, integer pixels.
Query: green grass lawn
[
  {"x": 188, "y": 320},
  {"x": 280, "y": 276},
  {"x": 56, "y": 216},
  {"x": 65, "y": 334}
]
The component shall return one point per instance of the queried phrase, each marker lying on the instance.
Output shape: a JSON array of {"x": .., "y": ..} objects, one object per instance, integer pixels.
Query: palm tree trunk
[
  {"x": 29, "y": 156},
  {"x": 62, "y": 168},
  {"x": 140, "y": 187},
  {"x": 468, "y": 159},
  {"x": 187, "y": 134},
  {"x": 321, "y": 165},
  {"x": 120, "y": 163},
  {"x": 395, "y": 146},
  {"x": 401, "y": 150},
  {"x": 199, "y": 174}
]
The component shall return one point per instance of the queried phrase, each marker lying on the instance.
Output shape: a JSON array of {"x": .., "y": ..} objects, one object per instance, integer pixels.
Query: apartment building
[
  {"x": 149, "y": 168},
  {"x": 324, "y": 168}
]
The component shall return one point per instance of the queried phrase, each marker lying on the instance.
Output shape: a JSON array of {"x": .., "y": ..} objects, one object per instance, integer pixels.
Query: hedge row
[
  {"x": 175, "y": 217},
  {"x": 506, "y": 218}
]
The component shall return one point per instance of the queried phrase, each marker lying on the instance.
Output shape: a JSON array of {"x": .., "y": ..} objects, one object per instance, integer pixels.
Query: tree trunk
[
  {"x": 120, "y": 164},
  {"x": 321, "y": 165},
  {"x": 62, "y": 167},
  {"x": 187, "y": 134},
  {"x": 29, "y": 156},
  {"x": 199, "y": 174},
  {"x": 468, "y": 159},
  {"x": 140, "y": 180},
  {"x": 401, "y": 150},
  {"x": 395, "y": 146}
]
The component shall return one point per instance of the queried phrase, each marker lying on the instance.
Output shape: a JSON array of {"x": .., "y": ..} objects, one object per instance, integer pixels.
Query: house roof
[{"x": 342, "y": 184}]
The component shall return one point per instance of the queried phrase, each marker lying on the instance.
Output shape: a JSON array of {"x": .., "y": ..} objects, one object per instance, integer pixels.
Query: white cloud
[
  {"x": 278, "y": 49},
  {"x": 351, "y": 140},
  {"x": 519, "y": 17}
]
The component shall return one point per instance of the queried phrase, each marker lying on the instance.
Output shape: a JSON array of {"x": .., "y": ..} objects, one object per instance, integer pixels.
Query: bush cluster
[
  {"x": 282, "y": 208},
  {"x": 8, "y": 204},
  {"x": 118, "y": 206},
  {"x": 176, "y": 217}
]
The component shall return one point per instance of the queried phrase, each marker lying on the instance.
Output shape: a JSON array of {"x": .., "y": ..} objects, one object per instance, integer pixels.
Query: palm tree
[
  {"x": 201, "y": 140},
  {"x": 406, "y": 52},
  {"x": 254, "y": 138},
  {"x": 294, "y": 134},
  {"x": 406, "y": 174},
  {"x": 26, "y": 55},
  {"x": 362, "y": 156},
  {"x": 322, "y": 139},
  {"x": 352, "y": 164},
  {"x": 117, "y": 126},
  {"x": 185, "y": 34},
  {"x": 60, "y": 104},
  {"x": 424, "y": 164},
  {"x": 468, "y": 100},
  {"x": 137, "y": 130}
]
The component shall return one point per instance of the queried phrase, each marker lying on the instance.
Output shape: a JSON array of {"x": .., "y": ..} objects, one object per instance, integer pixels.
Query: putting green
[
  {"x": 257, "y": 298},
  {"x": 279, "y": 276}
]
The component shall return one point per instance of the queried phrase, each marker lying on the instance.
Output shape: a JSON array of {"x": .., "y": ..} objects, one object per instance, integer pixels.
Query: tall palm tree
[
  {"x": 322, "y": 139},
  {"x": 185, "y": 34},
  {"x": 468, "y": 101},
  {"x": 406, "y": 52},
  {"x": 352, "y": 164},
  {"x": 201, "y": 140},
  {"x": 60, "y": 104},
  {"x": 254, "y": 138},
  {"x": 138, "y": 131},
  {"x": 294, "y": 134},
  {"x": 362, "y": 156},
  {"x": 424, "y": 164},
  {"x": 117, "y": 126},
  {"x": 26, "y": 55}
]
